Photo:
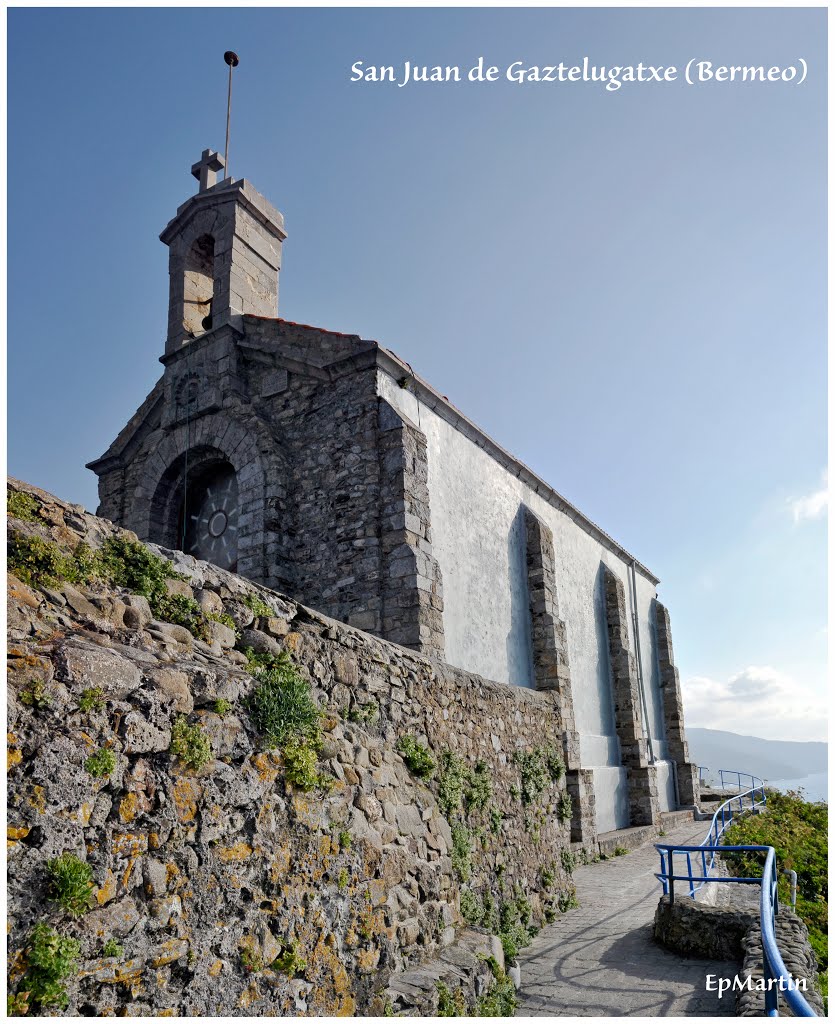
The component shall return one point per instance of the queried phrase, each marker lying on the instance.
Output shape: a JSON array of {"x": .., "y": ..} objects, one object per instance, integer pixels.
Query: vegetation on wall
[
  {"x": 498, "y": 1001},
  {"x": 538, "y": 769},
  {"x": 464, "y": 793},
  {"x": 71, "y": 883},
  {"x": 20, "y": 505},
  {"x": 462, "y": 787},
  {"x": 417, "y": 757},
  {"x": 36, "y": 695},
  {"x": 131, "y": 565},
  {"x": 121, "y": 562},
  {"x": 50, "y": 958},
  {"x": 189, "y": 744},
  {"x": 91, "y": 699},
  {"x": 101, "y": 763},
  {"x": 284, "y": 712},
  {"x": 42, "y": 563},
  {"x": 797, "y": 830},
  {"x": 259, "y": 608}
]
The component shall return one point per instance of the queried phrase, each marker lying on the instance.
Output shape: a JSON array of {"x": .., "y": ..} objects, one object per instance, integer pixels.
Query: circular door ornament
[{"x": 212, "y": 519}]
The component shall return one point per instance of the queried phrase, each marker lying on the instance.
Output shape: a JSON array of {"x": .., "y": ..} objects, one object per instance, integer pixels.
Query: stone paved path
[{"x": 600, "y": 959}]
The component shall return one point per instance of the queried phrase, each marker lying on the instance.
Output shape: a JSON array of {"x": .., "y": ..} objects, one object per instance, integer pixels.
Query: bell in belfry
[{"x": 206, "y": 322}]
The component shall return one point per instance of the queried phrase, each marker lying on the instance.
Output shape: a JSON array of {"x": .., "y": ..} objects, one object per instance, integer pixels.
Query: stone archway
[
  {"x": 196, "y": 507},
  {"x": 177, "y": 469}
]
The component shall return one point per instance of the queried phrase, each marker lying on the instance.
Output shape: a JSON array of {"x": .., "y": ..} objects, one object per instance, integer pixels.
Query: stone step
[
  {"x": 461, "y": 966},
  {"x": 626, "y": 838},
  {"x": 640, "y": 835},
  {"x": 669, "y": 820}
]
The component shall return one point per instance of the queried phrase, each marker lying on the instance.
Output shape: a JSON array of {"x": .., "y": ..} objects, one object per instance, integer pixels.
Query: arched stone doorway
[
  {"x": 187, "y": 460},
  {"x": 196, "y": 507},
  {"x": 208, "y": 518}
]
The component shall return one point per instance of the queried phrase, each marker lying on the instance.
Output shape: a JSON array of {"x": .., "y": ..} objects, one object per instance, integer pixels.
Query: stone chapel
[{"x": 318, "y": 464}]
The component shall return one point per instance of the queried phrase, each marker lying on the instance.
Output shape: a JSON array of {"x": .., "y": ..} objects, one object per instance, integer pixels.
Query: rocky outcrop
[{"x": 219, "y": 886}]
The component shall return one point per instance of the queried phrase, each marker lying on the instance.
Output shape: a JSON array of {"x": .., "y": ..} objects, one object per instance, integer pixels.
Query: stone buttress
[
  {"x": 641, "y": 775},
  {"x": 687, "y": 773}
]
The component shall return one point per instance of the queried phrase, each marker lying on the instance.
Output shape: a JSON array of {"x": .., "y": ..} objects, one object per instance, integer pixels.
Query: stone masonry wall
[
  {"x": 204, "y": 877},
  {"x": 334, "y": 507}
]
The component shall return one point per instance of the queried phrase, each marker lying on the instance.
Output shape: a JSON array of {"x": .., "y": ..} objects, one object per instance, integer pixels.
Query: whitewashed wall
[{"x": 478, "y": 540}]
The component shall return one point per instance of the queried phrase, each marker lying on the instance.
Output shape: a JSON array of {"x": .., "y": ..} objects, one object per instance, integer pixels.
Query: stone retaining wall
[{"x": 205, "y": 877}]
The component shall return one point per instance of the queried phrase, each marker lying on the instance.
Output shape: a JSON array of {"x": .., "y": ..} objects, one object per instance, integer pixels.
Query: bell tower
[{"x": 224, "y": 255}]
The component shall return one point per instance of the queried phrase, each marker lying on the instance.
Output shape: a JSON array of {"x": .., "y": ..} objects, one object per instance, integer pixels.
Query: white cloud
[
  {"x": 758, "y": 701},
  {"x": 811, "y": 506}
]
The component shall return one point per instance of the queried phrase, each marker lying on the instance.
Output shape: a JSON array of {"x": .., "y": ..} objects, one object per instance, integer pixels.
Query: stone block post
[
  {"x": 641, "y": 775},
  {"x": 411, "y": 584},
  {"x": 551, "y": 668},
  {"x": 687, "y": 774}
]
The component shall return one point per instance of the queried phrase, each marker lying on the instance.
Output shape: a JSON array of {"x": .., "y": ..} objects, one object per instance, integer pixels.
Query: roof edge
[{"x": 394, "y": 365}]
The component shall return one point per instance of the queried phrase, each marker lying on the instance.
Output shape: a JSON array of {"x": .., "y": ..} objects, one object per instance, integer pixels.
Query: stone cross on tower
[{"x": 206, "y": 168}]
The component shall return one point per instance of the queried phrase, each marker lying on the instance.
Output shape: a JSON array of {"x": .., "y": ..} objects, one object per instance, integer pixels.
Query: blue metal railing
[
  {"x": 751, "y": 781},
  {"x": 727, "y": 775},
  {"x": 723, "y": 816},
  {"x": 776, "y": 976}
]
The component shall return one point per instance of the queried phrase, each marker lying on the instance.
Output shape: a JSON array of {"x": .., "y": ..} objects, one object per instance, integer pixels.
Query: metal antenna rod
[{"x": 232, "y": 60}]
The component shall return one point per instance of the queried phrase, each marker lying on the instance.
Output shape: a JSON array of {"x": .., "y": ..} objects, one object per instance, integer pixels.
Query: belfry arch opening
[{"x": 199, "y": 286}]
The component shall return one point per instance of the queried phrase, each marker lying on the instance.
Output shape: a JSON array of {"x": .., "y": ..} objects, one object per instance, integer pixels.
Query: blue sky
[{"x": 626, "y": 289}]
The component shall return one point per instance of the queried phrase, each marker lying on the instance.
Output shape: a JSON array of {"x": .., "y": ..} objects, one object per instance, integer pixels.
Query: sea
[{"x": 815, "y": 787}]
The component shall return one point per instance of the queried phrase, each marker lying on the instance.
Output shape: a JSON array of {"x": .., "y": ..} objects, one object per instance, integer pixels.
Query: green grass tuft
[
  {"x": 281, "y": 706},
  {"x": 71, "y": 883}
]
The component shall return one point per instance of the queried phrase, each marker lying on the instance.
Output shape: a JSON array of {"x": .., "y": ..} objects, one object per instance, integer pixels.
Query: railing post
[{"x": 770, "y": 993}]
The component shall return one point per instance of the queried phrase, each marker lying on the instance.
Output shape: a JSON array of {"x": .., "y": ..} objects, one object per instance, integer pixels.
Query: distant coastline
[
  {"x": 815, "y": 787},
  {"x": 784, "y": 764}
]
